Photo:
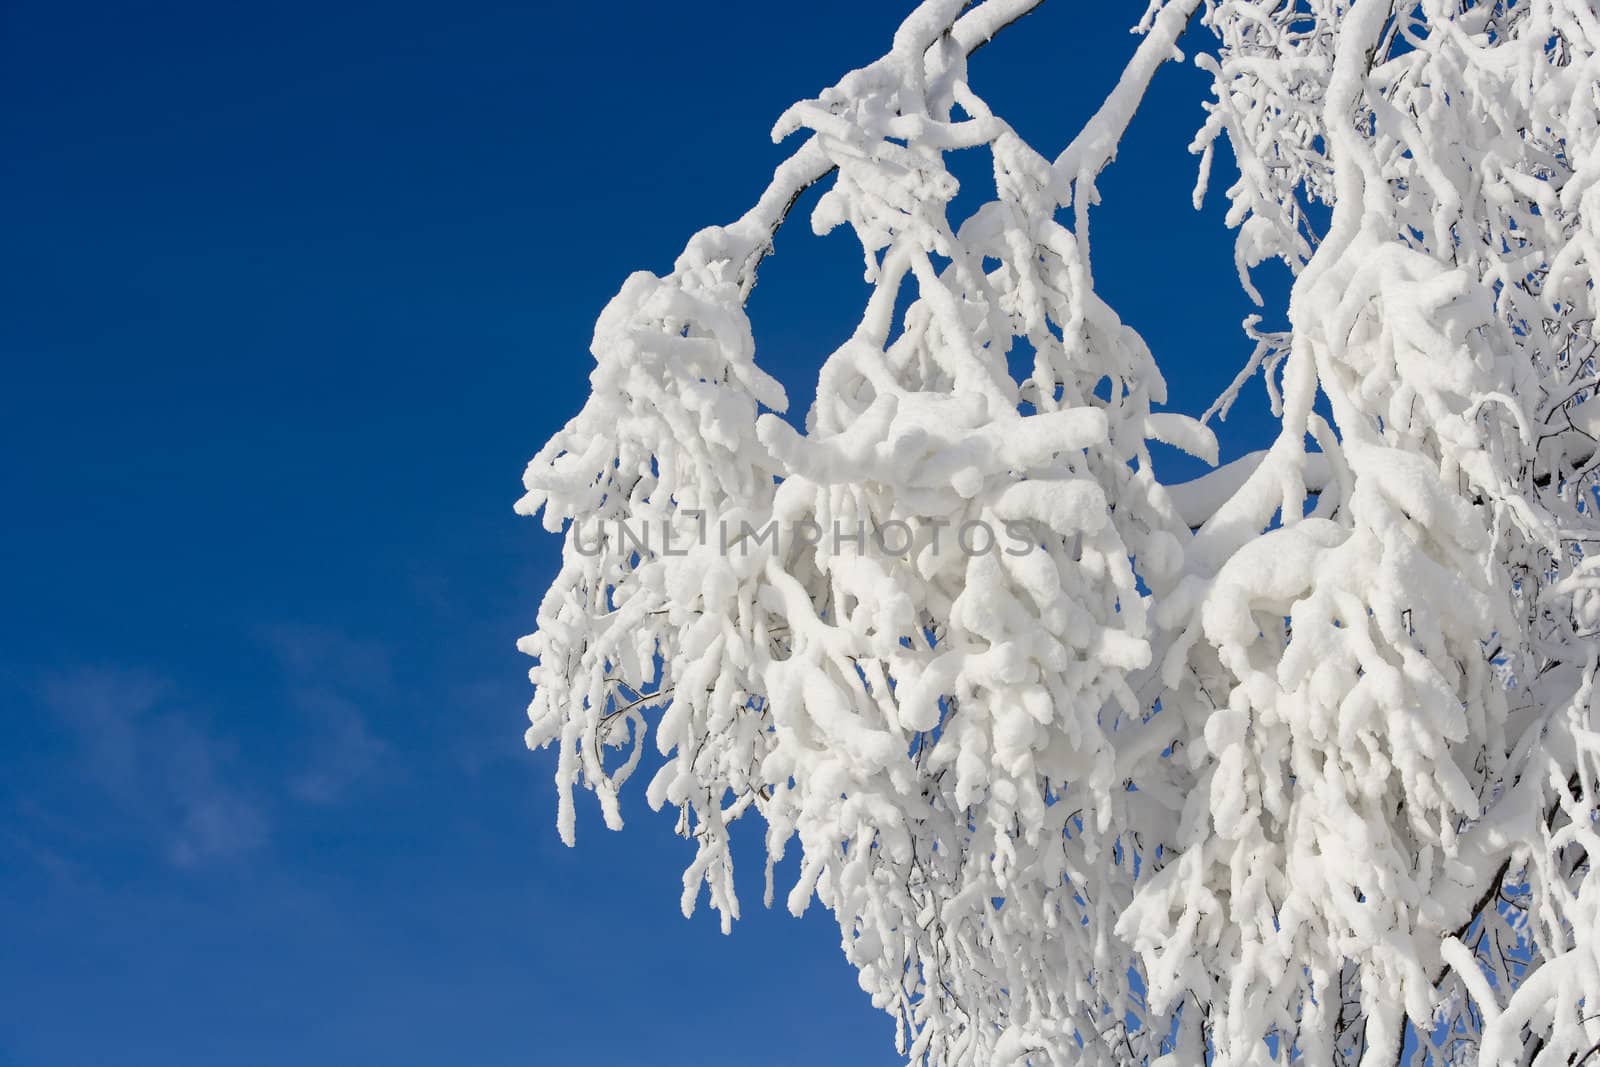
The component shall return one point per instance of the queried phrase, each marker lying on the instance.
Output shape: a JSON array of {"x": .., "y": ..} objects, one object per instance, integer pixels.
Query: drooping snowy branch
[
  {"x": 1290, "y": 761},
  {"x": 1403, "y": 675}
]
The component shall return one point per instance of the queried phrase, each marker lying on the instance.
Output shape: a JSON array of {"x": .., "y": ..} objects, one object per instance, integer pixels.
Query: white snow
[{"x": 1296, "y": 761}]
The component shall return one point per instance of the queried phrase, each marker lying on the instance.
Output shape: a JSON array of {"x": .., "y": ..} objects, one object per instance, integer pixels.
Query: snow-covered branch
[{"x": 1292, "y": 762}]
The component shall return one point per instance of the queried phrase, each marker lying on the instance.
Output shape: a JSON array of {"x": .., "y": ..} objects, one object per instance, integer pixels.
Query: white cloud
[
  {"x": 158, "y": 764},
  {"x": 331, "y": 679}
]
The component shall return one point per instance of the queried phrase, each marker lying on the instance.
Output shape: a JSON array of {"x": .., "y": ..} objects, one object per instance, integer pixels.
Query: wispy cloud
[
  {"x": 333, "y": 682},
  {"x": 346, "y": 753},
  {"x": 132, "y": 759},
  {"x": 158, "y": 764}
]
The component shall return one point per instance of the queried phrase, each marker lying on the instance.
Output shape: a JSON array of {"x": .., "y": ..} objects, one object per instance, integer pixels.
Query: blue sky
[{"x": 290, "y": 295}]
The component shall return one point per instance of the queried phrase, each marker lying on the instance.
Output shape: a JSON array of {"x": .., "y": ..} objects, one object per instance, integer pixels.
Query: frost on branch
[{"x": 1294, "y": 763}]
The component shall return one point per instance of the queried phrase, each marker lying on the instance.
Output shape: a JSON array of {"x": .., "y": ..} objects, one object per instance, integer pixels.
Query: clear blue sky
[{"x": 289, "y": 293}]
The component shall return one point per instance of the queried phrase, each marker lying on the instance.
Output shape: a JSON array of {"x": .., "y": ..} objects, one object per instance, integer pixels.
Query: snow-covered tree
[{"x": 1297, "y": 762}]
